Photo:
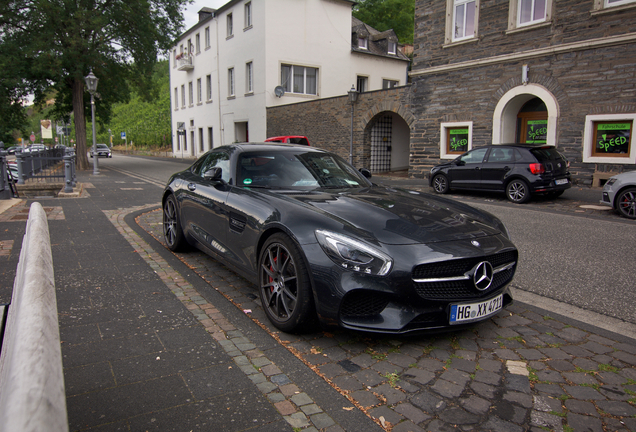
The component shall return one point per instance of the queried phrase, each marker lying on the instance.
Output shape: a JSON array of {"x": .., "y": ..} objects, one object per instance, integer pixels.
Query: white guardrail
[{"x": 32, "y": 396}]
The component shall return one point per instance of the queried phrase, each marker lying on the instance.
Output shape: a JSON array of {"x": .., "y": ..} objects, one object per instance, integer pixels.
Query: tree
[
  {"x": 62, "y": 40},
  {"x": 383, "y": 15}
]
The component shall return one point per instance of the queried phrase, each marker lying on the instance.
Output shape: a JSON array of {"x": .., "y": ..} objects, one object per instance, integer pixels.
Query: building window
[
  {"x": 609, "y": 138},
  {"x": 210, "y": 140},
  {"x": 230, "y": 82},
  {"x": 183, "y": 96},
  {"x": 299, "y": 79},
  {"x": 201, "y": 142},
  {"x": 363, "y": 43},
  {"x": 207, "y": 37},
  {"x": 174, "y": 58},
  {"x": 197, "y": 43},
  {"x": 199, "y": 91},
  {"x": 455, "y": 139},
  {"x": 392, "y": 49},
  {"x": 208, "y": 87},
  {"x": 190, "y": 48},
  {"x": 524, "y": 13},
  {"x": 176, "y": 98},
  {"x": 611, "y": 3},
  {"x": 361, "y": 84},
  {"x": 230, "y": 27},
  {"x": 248, "y": 78},
  {"x": 387, "y": 84},
  {"x": 463, "y": 19},
  {"x": 248, "y": 15},
  {"x": 190, "y": 93}
]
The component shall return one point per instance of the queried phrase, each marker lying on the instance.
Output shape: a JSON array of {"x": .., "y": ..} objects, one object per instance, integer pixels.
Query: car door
[
  {"x": 465, "y": 173},
  {"x": 499, "y": 162},
  {"x": 203, "y": 202}
]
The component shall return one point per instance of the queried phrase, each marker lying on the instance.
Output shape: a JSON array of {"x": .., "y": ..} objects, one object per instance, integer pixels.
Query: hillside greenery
[{"x": 147, "y": 124}]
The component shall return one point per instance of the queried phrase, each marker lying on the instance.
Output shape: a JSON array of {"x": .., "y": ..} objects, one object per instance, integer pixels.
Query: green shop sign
[
  {"x": 537, "y": 132},
  {"x": 613, "y": 137},
  {"x": 458, "y": 140}
]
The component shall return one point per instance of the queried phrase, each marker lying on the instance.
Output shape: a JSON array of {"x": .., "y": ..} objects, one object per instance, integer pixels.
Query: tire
[
  {"x": 172, "y": 230},
  {"x": 626, "y": 203},
  {"x": 284, "y": 285},
  {"x": 517, "y": 191},
  {"x": 440, "y": 184}
]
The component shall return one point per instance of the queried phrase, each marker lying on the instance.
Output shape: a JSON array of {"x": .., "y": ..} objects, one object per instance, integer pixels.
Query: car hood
[{"x": 398, "y": 216}]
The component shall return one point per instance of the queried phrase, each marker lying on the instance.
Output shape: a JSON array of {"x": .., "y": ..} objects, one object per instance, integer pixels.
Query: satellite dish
[{"x": 279, "y": 91}]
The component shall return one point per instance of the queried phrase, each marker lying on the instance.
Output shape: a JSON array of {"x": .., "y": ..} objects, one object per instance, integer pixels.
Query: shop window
[
  {"x": 532, "y": 122},
  {"x": 609, "y": 138},
  {"x": 456, "y": 138}
]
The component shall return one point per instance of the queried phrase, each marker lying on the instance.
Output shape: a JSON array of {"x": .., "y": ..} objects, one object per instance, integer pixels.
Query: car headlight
[
  {"x": 611, "y": 181},
  {"x": 353, "y": 254}
]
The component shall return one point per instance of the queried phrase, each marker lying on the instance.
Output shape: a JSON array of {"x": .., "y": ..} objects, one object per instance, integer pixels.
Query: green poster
[
  {"x": 458, "y": 140},
  {"x": 537, "y": 132},
  {"x": 613, "y": 137}
]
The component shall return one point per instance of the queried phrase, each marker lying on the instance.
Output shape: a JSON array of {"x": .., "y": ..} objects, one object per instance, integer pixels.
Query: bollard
[
  {"x": 68, "y": 173},
  {"x": 19, "y": 159},
  {"x": 5, "y": 189}
]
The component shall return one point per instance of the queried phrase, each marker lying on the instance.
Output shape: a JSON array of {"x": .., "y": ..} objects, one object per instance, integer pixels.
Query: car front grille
[
  {"x": 363, "y": 303},
  {"x": 452, "y": 280}
]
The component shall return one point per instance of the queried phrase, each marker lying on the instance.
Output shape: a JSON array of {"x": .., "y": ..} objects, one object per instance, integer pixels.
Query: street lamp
[
  {"x": 353, "y": 97},
  {"x": 110, "y": 138},
  {"x": 91, "y": 85}
]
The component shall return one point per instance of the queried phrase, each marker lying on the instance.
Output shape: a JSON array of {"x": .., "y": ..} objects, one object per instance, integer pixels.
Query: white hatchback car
[{"x": 620, "y": 193}]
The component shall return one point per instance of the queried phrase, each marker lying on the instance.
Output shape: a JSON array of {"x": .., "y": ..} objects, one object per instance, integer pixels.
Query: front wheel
[
  {"x": 517, "y": 191},
  {"x": 626, "y": 203},
  {"x": 172, "y": 231},
  {"x": 284, "y": 285},
  {"x": 440, "y": 184}
]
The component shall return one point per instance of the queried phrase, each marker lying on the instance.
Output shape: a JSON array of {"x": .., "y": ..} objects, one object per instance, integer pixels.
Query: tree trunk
[{"x": 80, "y": 124}]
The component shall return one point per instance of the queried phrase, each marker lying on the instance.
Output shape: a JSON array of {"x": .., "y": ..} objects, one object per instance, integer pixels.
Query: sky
[{"x": 191, "y": 13}]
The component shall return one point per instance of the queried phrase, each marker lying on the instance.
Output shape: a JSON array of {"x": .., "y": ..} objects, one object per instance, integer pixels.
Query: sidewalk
[{"x": 157, "y": 341}]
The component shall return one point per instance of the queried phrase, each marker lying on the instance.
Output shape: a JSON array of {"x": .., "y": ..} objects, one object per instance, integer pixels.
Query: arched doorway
[
  {"x": 389, "y": 139},
  {"x": 532, "y": 122},
  {"x": 519, "y": 103}
]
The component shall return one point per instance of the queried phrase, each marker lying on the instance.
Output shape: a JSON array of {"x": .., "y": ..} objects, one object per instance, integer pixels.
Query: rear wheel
[
  {"x": 626, "y": 203},
  {"x": 284, "y": 285},
  {"x": 172, "y": 231},
  {"x": 517, "y": 191},
  {"x": 440, "y": 184}
]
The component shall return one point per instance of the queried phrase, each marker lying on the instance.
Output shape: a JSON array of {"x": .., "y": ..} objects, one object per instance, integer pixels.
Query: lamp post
[
  {"x": 91, "y": 85},
  {"x": 353, "y": 97},
  {"x": 110, "y": 138}
]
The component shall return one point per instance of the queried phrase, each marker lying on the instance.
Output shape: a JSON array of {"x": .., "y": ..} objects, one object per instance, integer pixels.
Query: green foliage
[{"x": 383, "y": 15}]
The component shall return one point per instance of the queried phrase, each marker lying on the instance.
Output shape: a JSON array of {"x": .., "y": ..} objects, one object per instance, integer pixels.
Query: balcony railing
[{"x": 185, "y": 62}]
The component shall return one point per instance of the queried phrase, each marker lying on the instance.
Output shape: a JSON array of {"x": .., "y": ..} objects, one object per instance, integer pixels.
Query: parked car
[
  {"x": 289, "y": 139},
  {"x": 102, "y": 151},
  {"x": 519, "y": 170},
  {"x": 320, "y": 240},
  {"x": 11, "y": 150},
  {"x": 620, "y": 192},
  {"x": 34, "y": 148}
]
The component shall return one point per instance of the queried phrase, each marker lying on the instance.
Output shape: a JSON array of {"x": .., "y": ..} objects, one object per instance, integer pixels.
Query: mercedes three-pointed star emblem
[{"x": 482, "y": 277}]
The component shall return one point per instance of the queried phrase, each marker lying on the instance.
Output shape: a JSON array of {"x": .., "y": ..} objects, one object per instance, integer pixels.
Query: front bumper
[{"x": 398, "y": 304}]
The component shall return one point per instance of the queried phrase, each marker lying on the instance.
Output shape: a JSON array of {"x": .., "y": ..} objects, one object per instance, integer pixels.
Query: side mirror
[
  {"x": 365, "y": 172},
  {"x": 214, "y": 174}
]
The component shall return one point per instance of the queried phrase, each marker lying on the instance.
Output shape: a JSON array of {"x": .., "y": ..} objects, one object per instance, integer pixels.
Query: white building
[{"x": 226, "y": 69}]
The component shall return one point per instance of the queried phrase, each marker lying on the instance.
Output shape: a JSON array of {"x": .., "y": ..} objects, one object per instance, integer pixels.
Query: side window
[
  {"x": 475, "y": 156},
  {"x": 498, "y": 155},
  {"x": 212, "y": 160}
]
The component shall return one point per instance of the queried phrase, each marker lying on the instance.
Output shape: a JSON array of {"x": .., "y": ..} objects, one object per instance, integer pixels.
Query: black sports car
[{"x": 321, "y": 241}]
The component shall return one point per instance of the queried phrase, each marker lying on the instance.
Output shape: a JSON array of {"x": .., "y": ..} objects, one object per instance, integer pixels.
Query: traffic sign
[
  {"x": 123, "y": 135},
  {"x": 32, "y": 138}
]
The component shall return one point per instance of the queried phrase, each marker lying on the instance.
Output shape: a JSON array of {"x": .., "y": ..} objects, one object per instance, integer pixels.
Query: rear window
[{"x": 546, "y": 153}]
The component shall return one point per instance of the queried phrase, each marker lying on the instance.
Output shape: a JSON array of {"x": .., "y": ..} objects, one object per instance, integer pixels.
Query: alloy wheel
[{"x": 278, "y": 281}]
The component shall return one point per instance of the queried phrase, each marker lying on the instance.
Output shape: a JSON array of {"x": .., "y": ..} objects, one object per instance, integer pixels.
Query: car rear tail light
[{"x": 537, "y": 168}]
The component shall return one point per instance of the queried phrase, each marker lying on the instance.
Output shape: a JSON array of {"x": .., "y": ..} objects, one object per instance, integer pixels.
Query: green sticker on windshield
[{"x": 247, "y": 181}]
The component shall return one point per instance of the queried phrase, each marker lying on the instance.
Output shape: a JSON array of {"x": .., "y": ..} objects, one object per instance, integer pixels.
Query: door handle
[{"x": 192, "y": 186}]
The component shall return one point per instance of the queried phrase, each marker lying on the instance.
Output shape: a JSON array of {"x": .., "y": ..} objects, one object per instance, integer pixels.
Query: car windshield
[
  {"x": 102, "y": 146},
  {"x": 297, "y": 170}
]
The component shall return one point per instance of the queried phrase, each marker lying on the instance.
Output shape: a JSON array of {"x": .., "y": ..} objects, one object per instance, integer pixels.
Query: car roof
[
  {"x": 286, "y": 136},
  {"x": 260, "y": 146}
]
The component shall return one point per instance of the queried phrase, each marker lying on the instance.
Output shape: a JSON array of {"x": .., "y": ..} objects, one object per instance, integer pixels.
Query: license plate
[
  {"x": 464, "y": 312},
  {"x": 561, "y": 181}
]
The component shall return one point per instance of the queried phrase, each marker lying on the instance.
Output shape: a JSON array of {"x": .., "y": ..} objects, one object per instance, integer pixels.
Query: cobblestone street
[{"x": 522, "y": 370}]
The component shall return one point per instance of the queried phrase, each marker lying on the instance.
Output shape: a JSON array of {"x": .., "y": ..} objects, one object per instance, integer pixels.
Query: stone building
[{"x": 560, "y": 73}]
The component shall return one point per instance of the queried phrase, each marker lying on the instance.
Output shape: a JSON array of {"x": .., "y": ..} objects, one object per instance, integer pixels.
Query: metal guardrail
[
  {"x": 56, "y": 164},
  {"x": 32, "y": 396}
]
